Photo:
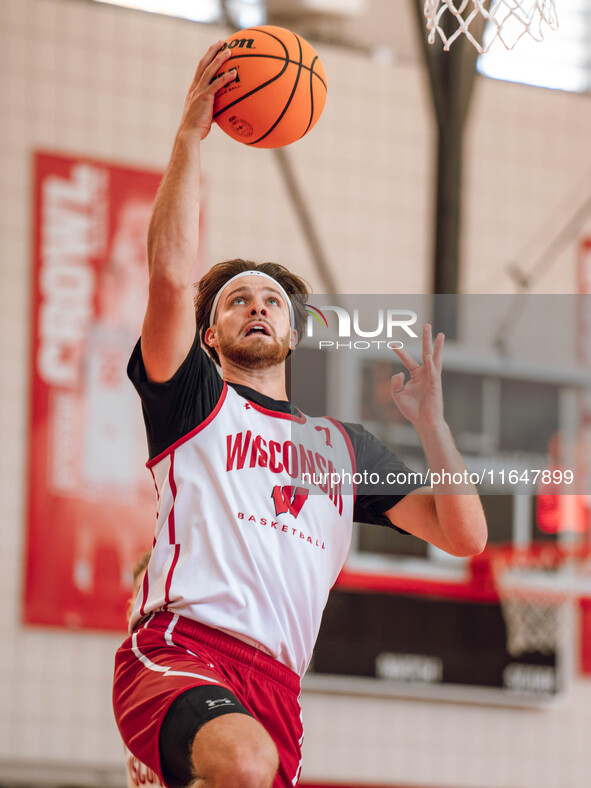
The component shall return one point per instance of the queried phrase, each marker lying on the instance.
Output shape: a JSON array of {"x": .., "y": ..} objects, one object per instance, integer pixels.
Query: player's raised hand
[
  {"x": 420, "y": 398},
  {"x": 198, "y": 110}
]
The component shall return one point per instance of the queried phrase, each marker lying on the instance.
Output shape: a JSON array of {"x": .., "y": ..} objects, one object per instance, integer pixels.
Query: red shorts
[{"x": 169, "y": 654}]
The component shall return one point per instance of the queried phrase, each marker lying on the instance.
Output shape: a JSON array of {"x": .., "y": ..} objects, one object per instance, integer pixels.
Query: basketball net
[
  {"x": 536, "y": 589},
  {"x": 506, "y": 20}
]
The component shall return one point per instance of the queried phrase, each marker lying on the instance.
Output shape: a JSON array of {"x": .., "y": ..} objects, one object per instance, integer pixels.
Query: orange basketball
[{"x": 279, "y": 92}]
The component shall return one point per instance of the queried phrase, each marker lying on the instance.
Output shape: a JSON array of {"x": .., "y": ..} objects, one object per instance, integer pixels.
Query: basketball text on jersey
[{"x": 283, "y": 528}]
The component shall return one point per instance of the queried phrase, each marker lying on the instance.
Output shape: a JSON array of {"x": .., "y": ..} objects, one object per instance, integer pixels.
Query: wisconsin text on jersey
[{"x": 294, "y": 459}]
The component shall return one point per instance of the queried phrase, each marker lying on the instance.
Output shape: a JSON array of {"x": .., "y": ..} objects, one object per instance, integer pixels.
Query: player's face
[{"x": 252, "y": 324}]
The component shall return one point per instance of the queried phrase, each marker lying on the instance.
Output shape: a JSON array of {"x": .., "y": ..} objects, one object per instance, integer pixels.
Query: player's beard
[{"x": 254, "y": 353}]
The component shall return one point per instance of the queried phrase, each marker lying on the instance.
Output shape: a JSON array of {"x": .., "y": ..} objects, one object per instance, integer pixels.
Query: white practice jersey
[
  {"x": 241, "y": 545},
  {"x": 245, "y": 543}
]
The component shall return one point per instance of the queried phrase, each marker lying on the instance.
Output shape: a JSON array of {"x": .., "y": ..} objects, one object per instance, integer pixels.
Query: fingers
[
  {"x": 427, "y": 341},
  {"x": 209, "y": 75},
  {"x": 408, "y": 361},
  {"x": 431, "y": 355},
  {"x": 223, "y": 79},
  {"x": 397, "y": 383},
  {"x": 206, "y": 60},
  {"x": 428, "y": 350},
  {"x": 431, "y": 369},
  {"x": 438, "y": 351},
  {"x": 209, "y": 81},
  {"x": 211, "y": 61}
]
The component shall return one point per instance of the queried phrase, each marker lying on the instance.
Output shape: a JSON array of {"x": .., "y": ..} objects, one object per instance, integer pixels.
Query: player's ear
[
  {"x": 210, "y": 336},
  {"x": 293, "y": 339}
]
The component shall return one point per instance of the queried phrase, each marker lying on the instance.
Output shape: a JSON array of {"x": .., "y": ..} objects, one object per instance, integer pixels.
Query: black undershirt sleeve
[
  {"x": 373, "y": 456},
  {"x": 174, "y": 408}
]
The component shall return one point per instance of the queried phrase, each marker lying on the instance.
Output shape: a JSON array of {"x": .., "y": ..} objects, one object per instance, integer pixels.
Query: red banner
[{"x": 91, "y": 503}]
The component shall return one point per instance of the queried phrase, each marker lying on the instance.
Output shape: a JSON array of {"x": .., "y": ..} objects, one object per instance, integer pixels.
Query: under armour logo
[
  {"x": 215, "y": 704},
  {"x": 247, "y": 405}
]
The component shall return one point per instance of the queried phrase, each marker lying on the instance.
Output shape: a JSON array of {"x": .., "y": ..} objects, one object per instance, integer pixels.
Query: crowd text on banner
[{"x": 91, "y": 501}]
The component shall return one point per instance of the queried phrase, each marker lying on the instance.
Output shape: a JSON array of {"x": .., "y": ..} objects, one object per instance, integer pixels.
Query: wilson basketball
[{"x": 279, "y": 92}]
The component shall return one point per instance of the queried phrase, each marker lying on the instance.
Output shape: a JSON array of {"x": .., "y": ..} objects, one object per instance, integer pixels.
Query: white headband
[{"x": 214, "y": 306}]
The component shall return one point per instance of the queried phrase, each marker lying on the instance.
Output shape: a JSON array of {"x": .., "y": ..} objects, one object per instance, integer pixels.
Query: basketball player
[{"x": 206, "y": 687}]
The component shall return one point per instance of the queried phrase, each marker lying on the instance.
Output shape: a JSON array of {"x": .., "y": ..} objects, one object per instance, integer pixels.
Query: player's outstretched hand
[
  {"x": 420, "y": 398},
  {"x": 198, "y": 111}
]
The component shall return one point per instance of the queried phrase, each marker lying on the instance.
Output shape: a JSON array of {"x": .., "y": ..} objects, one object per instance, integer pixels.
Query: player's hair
[
  {"x": 140, "y": 565},
  {"x": 217, "y": 276}
]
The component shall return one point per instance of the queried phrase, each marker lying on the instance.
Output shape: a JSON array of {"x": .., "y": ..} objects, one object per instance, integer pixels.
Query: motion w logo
[{"x": 289, "y": 499}]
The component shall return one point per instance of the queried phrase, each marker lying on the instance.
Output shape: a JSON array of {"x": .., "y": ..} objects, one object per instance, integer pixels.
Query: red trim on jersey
[
  {"x": 177, "y": 552},
  {"x": 301, "y": 419},
  {"x": 145, "y": 582},
  {"x": 193, "y": 432},
  {"x": 149, "y": 466},
  {"x": 145, "y": 590},
  {"x": 172, "y": 483},
  {"x": 350, "y": 448},
  {"x": 171, "y": 533}
]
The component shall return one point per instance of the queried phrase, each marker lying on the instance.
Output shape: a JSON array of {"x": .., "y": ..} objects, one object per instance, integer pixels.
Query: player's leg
[
  {"x": 234, "y": 750},
  {"x": 209, "y": 740},
  {"x": 170, "y": 689}
]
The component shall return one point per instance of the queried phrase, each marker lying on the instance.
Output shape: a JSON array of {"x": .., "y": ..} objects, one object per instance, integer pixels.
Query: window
[{"x": 562, "y": 60}]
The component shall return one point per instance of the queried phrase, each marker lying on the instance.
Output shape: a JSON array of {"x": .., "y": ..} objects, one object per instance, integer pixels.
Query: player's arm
[
  {"x": 448, "y": 515},
  {"x": 173, "y": 235}
]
